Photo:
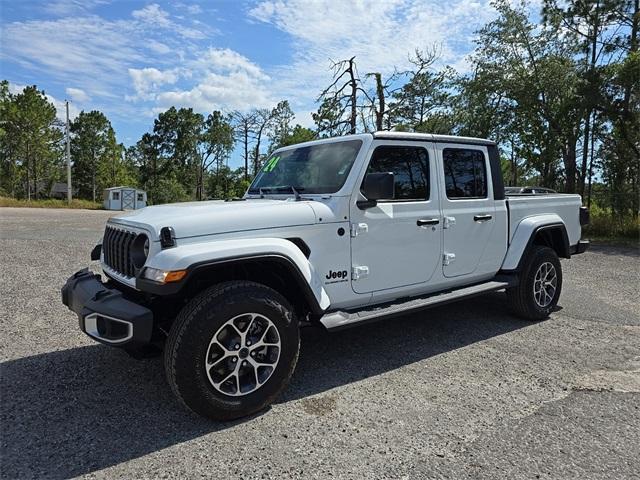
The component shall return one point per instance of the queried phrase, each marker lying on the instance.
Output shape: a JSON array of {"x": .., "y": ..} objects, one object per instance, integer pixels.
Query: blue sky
[{"x": 133, "y": 59}]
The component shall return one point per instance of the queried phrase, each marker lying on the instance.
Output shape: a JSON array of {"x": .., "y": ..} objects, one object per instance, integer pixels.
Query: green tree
[
  {"x": 30, "y": 139},
  {"x": 299, "y": 134},
  {"x": 524, "y": 92},
  {"x": 97, "y": 156},
  {"x": 215, "y": 144},
  {"x": 422, "y": 103},
  {"x": 280, "y": 124},
  {"x": 227, "y": 183},
  {"x": 176, "y": 135}
]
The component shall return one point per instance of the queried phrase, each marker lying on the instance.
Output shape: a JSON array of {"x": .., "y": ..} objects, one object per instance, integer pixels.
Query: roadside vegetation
[
  {"x": 49, "y": 203},
  {"x": 605, "y": 226},
  {"x": 558, "y": 91}
]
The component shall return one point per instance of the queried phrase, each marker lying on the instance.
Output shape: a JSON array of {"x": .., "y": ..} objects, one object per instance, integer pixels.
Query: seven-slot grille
[{"x": 116, "y": 246}]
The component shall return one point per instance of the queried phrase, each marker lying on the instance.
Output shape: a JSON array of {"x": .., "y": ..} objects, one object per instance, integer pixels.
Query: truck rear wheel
[
  {"x": 232, "y": 350},
  {"x": 540, "y": 283}
]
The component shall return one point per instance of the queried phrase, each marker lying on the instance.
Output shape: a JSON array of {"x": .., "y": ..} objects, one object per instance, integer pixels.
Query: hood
[{"x": 192, "y": 219}]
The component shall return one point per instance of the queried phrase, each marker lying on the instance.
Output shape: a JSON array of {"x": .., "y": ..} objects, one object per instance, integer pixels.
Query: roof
[
  {"x": 121, "y": 187},
  {"x": 430, "y": 137}
]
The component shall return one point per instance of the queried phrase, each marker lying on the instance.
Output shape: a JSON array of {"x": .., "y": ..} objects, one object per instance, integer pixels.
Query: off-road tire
[
  {"x": 199, "y": 320},
  {"x": 521, "y": 298}
]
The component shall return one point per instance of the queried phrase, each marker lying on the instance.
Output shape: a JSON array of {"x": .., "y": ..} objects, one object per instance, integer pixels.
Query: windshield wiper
[
  {"x": 296, "y": 190},
  {"x": 260, "y": 190}
]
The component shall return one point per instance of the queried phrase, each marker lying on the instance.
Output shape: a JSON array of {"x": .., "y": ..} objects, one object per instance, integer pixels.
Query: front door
[
  {"x": 128, "y": 199},
  {"x": 398, "y": 242},
  {"x": 468, "y": 207}
]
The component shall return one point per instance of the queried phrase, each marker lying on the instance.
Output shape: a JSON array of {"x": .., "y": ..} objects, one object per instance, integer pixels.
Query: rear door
[
  {"x": 467, "y": 205},
  {"x": 398, "y": 242}
]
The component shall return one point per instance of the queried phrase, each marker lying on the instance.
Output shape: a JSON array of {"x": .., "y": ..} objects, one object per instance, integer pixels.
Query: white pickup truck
[{"x": 335, "y": 232}]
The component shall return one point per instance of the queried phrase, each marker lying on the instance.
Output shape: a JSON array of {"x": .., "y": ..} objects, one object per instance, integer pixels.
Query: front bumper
[{"x": 104, "y": 313}]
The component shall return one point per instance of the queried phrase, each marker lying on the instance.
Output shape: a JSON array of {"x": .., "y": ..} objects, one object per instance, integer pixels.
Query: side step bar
[{"x": 342, "y": 319}]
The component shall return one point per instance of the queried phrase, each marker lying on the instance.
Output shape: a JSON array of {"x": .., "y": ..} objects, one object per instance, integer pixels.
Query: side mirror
[{"x": 377, "y": 186}]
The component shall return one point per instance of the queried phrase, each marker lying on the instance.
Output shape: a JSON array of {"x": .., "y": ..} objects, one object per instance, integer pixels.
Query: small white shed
[{"x": 124, "y": 198}]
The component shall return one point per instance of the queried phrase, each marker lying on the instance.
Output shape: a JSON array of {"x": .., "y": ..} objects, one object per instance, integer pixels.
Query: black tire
[
  {"x": 188, "y": 346},
  {"x": 521, "y": 298}
]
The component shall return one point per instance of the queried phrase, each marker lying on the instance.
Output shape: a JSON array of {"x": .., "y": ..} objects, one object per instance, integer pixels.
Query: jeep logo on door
[{"x": 335, "y": 277}]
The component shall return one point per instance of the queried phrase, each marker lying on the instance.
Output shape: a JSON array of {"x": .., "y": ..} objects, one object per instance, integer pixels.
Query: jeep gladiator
[{"x": 336, "y": 233}]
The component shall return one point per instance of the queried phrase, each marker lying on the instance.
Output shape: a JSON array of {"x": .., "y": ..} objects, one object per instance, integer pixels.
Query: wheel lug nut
[
  {"x": 234, "y": 359},
  {"x": 244, "y": 363},
  {"x": 248, "y": 343},
  {"x": 237, "y": 347},
  {"x": 253, "y": 354}
]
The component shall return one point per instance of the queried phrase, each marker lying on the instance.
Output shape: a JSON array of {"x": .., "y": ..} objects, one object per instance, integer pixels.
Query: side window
[
  {"x": 465, "y": 173},
  {"x": 410, "y": 167},
  {"x": 140, "y": 197},
  {"x": 115, "y": 195}
]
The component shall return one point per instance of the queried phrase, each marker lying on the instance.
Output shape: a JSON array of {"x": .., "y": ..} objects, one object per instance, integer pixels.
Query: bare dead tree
[
  {"x": 244, "y": 124},
  {"x": 339, "y": 101},
  {"x": 262, "y": 121}
]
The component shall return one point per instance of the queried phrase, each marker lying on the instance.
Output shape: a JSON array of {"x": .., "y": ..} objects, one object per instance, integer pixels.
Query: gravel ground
[{"x": 460, "y": 391}]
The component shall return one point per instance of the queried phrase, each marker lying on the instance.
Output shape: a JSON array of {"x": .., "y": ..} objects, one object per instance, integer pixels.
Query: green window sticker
[{"x": 271, "y": 164}]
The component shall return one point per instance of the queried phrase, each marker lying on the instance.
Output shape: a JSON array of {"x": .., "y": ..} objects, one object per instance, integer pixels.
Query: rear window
[{"x": 465, "y": 173}]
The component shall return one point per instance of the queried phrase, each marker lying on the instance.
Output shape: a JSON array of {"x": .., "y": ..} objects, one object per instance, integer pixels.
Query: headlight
[
  {"x": 163, "y": 276},
  {"x": 140, "y": 250}
]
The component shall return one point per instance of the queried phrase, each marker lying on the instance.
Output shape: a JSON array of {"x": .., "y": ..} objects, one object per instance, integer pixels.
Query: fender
[
  {"x": 195, "y": 256},
  {"x": 525, "y": 233}
]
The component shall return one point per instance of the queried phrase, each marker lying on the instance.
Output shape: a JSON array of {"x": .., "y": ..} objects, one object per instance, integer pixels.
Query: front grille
[{"x": 116, "y": 246}]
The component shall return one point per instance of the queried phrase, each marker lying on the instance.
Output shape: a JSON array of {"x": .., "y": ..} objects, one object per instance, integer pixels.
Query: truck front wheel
[
  {"x": 232, "y": 350},
  {"x": 540, "y": 283}
]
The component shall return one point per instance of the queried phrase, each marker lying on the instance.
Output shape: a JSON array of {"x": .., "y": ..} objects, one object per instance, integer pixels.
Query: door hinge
[
  {"x": 449, "y": 222},
  {"x": 358, "y": 228},
  {"x": 448, "y": 258},
  {"x": 359, "y": 272}
]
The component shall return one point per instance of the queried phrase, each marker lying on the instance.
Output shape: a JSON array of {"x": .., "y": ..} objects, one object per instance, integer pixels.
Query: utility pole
[{"x": 68, "y": 157}]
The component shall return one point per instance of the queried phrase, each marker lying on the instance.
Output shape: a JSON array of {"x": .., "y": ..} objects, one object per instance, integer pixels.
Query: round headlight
[{"x": 140, "y": 250}]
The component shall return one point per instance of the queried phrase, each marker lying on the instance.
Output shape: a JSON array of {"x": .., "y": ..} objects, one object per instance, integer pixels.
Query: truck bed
[{"x": 567, "y": 206}]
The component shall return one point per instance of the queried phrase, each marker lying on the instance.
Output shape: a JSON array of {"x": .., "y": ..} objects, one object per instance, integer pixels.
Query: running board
[{"x": 339, "y": 319}]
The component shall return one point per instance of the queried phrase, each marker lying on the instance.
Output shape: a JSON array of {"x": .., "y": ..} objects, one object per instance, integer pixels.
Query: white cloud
[
  {"x": 87, "y": 51},
  {"x": 71, "y": 7},
  {"x": 146, "y": 80},
  {"x": 77, "y": 94},
  {"x": 95, "y": 54},
  {"x": 194, "y": 9},
  {"x": 381, "y": 34},
  {"x": 225, "y": 80},
  {"x": 153, "y": 14},
  {"x": 158, "y": 47}
]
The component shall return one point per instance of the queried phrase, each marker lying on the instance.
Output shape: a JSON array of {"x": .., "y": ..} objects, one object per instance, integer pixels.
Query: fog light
[{"x": 163, "y": 276}]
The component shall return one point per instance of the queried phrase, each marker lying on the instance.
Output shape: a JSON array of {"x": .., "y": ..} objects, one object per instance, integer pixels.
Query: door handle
[
  {"x": 481, "y": 218},
  {"x": 427, "y": 221}
]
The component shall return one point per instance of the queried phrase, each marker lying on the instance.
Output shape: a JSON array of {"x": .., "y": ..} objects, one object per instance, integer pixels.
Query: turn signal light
[
  {"x": 163, "y": 276},
  {"x": 175, "y": 276}
]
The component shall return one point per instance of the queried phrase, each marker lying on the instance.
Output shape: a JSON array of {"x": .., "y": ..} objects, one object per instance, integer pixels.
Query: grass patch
[
  {"x": 604, "y": 225},
  {"x": 613, "y": 241},
  {"x": 49, "y": 203}
]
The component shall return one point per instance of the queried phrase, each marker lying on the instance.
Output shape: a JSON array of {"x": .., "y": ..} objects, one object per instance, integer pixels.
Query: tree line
[{"x": 560, "y": 96}]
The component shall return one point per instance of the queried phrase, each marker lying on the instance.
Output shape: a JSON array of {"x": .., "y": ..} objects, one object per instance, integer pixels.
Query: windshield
[{"x": 321, "y": 168}]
